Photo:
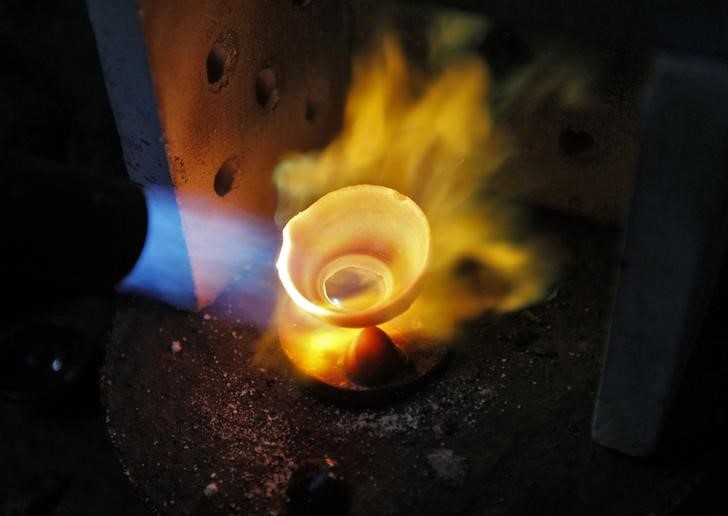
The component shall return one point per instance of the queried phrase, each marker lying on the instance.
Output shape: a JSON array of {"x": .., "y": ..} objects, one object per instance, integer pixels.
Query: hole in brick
[
  {"x": 575, "y": 143},
  {"x": 215, "y": 65},
  {"x": 225, "y": 177},
  {"x": 220, "y": 61},
  {"x": 266, "y": 89},
  {"x": 301, "y": 3},
  {"x": 312, "y": 111}
]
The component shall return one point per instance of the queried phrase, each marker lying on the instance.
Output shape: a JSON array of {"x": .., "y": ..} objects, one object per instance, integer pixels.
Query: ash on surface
[{"x": 503, "y": 418}]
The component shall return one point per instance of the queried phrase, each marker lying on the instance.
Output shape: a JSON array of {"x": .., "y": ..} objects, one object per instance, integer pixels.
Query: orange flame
[{"x": 434, "y": 140}]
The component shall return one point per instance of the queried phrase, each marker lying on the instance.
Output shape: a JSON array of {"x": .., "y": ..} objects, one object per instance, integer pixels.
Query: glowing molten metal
[{"x": 354, "y": 259}]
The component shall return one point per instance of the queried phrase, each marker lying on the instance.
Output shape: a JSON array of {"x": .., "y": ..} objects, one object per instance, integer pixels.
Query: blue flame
[
  {"x": 163, "y": 269},
  {"x": 233, "y": 251}
]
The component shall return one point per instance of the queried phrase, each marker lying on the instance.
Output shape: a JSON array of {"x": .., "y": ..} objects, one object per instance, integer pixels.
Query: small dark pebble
[{"x": 317, "y": 488}]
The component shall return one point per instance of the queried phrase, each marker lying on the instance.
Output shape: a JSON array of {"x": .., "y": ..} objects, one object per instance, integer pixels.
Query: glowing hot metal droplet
[
  {"x": 373, "y": 358},
  {"x": 350, "y": 262}
]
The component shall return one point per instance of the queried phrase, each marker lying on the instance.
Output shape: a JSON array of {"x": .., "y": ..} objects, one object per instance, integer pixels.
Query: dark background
[{"x": 55, "y": 457}]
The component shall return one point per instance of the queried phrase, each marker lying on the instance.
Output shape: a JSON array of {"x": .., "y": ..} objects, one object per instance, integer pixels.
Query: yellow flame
[{"x": 434, "y": 140}]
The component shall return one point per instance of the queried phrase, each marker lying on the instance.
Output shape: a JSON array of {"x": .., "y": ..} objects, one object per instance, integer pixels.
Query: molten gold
[
  {"x": 373, "y": 358},
  {"x": 319, "y": 351}
]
